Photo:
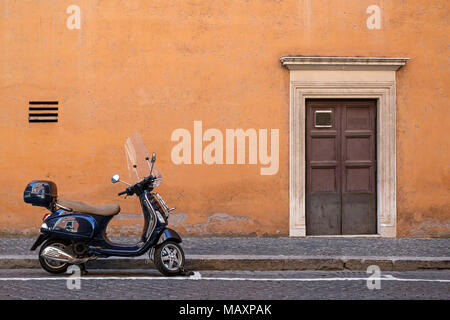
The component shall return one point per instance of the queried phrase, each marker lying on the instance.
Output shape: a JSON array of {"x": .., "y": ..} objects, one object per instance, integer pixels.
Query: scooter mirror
[
  {"x": 115, "y": 178},
  {"x": 153, "y": 157}
]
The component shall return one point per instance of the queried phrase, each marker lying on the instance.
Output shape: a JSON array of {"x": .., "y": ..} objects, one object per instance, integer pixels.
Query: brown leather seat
[{"x": 106, "y": 210}]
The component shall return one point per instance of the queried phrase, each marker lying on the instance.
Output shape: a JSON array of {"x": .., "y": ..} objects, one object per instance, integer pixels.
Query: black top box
[{"x": 40, "y": 193}]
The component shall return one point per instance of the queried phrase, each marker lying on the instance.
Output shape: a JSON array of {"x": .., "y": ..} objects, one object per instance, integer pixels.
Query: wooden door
[{"x": 341, "y": 167}]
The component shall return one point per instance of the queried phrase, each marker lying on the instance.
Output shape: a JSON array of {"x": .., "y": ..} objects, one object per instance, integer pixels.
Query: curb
[{"x": 254, "y": 262}]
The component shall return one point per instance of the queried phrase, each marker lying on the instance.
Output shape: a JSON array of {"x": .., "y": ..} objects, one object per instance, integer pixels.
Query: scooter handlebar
[
  {"x": 129, "y": 191},
  {"x": 146, "y": 182}
]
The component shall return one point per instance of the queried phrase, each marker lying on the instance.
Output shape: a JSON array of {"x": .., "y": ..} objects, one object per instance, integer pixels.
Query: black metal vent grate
[
  {"x": 323, "y": 119},
  {"x": 43, "y": 111}
]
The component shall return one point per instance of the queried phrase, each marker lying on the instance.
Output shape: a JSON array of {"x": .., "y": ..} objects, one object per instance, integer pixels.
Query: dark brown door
[{"x": 341, "y": 167}]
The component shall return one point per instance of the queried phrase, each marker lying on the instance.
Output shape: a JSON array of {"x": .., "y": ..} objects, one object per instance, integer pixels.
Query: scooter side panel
[{"x": 74, "y": 226}]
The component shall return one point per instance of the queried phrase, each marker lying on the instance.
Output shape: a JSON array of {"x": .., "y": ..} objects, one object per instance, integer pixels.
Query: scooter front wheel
[{"x": 169, "y": 258}]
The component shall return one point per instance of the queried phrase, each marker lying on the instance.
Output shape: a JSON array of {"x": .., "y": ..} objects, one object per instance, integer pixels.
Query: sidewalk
[{"x": 317, "y": 253}]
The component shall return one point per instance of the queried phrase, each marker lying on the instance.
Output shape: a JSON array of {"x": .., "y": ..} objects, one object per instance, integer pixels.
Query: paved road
[{"x": 229, "y": 285}]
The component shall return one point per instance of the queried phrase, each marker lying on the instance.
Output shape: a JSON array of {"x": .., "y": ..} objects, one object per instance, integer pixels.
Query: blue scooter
[{"x": 75, "y": 232}]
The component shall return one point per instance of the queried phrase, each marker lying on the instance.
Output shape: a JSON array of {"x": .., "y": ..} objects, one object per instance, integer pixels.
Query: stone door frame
[{"x": 344, "y": 78}]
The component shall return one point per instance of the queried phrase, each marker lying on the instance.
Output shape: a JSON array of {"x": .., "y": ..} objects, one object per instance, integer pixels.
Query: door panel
[
  {"x": 340, "y": 167},
  {"x": 323, "y": 180},
  {"x": 323, "y": 148},
  {"x": 357, "y": 148},
  {"x": 323, "y": 198},
  {"x": 325, "y": 213},
  {"x": 358, "y": 134},
  {"x": 359, "y": 215}
]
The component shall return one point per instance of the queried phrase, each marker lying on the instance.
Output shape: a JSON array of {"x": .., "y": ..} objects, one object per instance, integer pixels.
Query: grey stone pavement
[
  {"x": 311, "y": 246},
  {"x": 311, "y": 253},
  {"x": 273, "y": 277}
]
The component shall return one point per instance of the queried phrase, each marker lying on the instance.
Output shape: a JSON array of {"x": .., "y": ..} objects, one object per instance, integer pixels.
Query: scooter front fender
[
  {"x": 169, "y": 234},
  {"x": 166, "y": 235}
]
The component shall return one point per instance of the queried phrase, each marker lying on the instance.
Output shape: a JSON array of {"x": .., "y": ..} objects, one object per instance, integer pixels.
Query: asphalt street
[{"x": 225, "y": 285}]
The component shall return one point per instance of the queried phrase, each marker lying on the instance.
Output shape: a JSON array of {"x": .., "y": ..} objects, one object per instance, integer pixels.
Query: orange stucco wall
[{"x": 155, "y": 66}]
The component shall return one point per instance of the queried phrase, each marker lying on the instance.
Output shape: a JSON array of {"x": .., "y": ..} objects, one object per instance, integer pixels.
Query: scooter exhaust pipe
[{"x": 58, "y": 254}]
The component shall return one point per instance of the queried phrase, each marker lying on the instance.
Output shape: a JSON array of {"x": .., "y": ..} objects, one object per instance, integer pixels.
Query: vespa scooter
[{"x": 75, "y": 232}]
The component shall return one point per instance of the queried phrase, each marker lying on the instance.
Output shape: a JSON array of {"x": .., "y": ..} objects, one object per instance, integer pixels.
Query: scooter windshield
[{"x": 138, "y": 166}]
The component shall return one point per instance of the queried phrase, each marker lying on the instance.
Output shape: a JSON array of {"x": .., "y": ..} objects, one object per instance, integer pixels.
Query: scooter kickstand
[
  {"x": 83, "y": 269},
  {"x": 186, "y": 273}
]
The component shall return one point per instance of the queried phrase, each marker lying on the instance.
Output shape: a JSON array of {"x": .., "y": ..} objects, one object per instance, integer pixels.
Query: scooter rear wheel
[
  {"x": 51, "y": 265},
  {"x": 169, "y": 258}
]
